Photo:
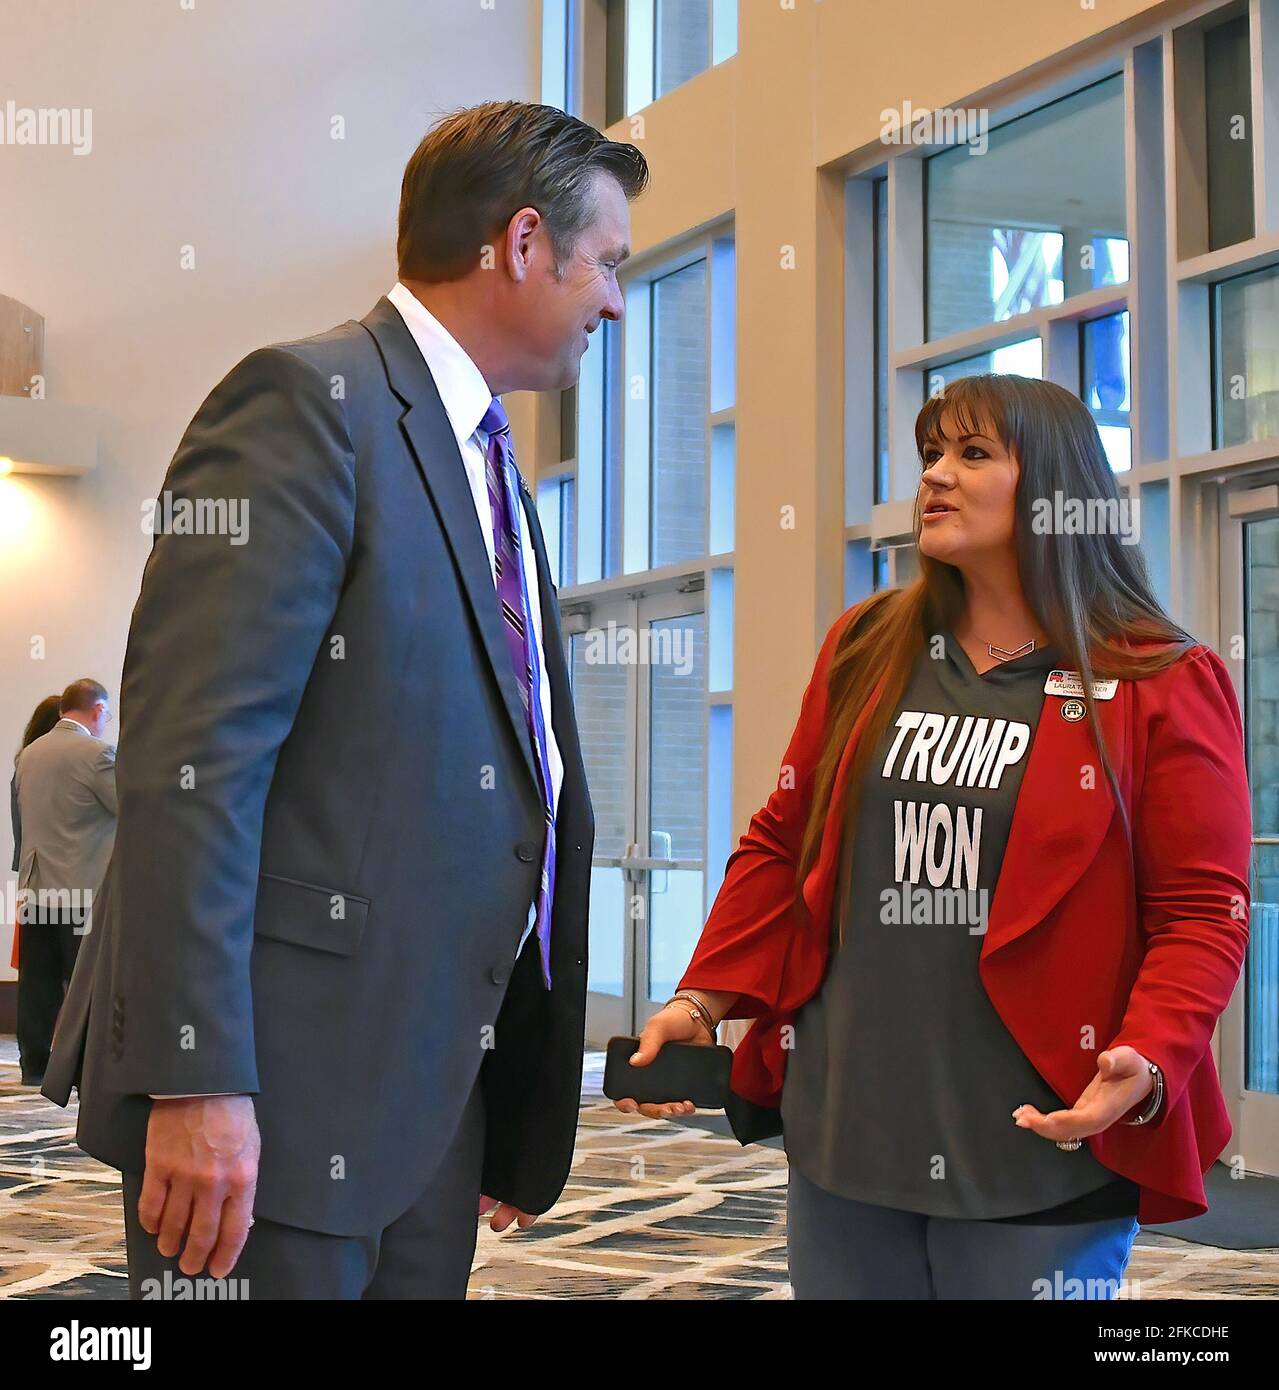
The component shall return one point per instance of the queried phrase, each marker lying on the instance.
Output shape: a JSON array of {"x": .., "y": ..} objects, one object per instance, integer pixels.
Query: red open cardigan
[{"x": 1088, "y": 945}]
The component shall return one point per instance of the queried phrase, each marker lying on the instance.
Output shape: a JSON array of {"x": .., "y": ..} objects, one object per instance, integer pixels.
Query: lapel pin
[{"x": 1073, "y": 710}]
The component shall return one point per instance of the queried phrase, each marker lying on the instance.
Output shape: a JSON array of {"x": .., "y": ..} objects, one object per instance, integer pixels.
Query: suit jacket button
[
  {"x": 526, "y": 851},
  {"x": 500, "y": 974}
]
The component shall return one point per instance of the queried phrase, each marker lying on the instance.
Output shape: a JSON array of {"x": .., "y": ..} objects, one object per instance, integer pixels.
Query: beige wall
[
  {"x": 211, "y": 126},
  {"x": 748, "y": 140}
]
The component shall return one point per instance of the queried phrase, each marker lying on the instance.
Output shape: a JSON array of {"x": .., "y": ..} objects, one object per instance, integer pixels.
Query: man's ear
[{"x": 521, "y": 232}]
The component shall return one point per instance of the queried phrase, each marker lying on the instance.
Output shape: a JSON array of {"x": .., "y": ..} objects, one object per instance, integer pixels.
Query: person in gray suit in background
[
  {"x": 64, "y": 815},
  {"x": 333, "y": 1004}
]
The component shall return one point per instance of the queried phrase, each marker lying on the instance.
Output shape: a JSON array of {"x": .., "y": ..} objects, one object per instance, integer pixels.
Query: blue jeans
[{"x": 843, "y": 1249}]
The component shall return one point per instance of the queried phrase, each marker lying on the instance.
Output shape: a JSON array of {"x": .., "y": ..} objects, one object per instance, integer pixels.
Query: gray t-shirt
[{"x": 902, "y": 1081}]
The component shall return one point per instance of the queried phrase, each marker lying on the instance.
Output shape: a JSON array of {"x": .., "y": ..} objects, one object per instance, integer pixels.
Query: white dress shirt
[{"x": 466, "y": 398}]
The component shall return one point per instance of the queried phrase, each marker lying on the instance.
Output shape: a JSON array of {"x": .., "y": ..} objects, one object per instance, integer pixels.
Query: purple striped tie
[{"x": 521, "y": 639}]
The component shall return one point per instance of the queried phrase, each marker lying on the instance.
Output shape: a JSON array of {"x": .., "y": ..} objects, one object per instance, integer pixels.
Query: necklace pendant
[{"x": 1001, "y": 654}]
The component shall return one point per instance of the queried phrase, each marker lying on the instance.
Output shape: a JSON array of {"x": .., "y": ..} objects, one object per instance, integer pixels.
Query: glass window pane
[
  {"x": 1261, "y": 542},
  {"x": 677, "y": 794},
  {"x": 880, "y": 567},
  {"x": 606, "y": 931},
  {"x": 1023, "y": 358},
  {"x": 597, "y": 459},
  {"x": 1247, "y": 367},
  {"x": 859, "y": 572},
  {"x": 548, "y": 515},
  {"x": 556, "y": 65},
  {"x": 675, "y": 919},
  {"x": 723, "y": 293},
  {"x": 1106, "y": 386},
  {"x": 557, "y": 513},
  {"x": 1261, "y": 976},
  {"x": 683, "y": 42},
  {"x": 1262, "y": 648},
  {"x": 677, "y": 736},
  {"x": 719, "y": 799},
  {"x": 723, "y": 30},
  {"x": 568, "y": 532},
  {"x": 881, "y": 340},
  {"x": 723, "y": 488},
  {"x": 720, "y": 674},
  {"x": 1040, "y": 216},
  {"x": 678, "y": 481},
  {"x": 1228, "y": 134},
  {"x": 599, "y": 702},
  {"x": 611, "y": 534}
]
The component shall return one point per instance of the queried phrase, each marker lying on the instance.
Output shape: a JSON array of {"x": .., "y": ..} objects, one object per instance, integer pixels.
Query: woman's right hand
[{"x": 674, "y": 1023}]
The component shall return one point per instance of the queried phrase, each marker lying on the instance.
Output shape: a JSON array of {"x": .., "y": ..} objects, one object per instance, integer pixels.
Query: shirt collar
[
  {"x": 65, "y": 723},
  {"x": 463, "y": 390}
]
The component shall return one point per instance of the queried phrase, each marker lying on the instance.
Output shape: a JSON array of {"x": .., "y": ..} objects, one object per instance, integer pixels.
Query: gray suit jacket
[
  {"x": 330, "y": 819},
  {"x": 65, "y": 804}
]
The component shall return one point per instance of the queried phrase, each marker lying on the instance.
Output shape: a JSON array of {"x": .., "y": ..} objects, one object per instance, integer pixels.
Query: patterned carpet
[{"x": 651, "y": 1210}]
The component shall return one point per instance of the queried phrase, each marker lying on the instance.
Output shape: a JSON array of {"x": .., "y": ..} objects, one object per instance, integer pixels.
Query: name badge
[{"x": 1070, "y": 684}]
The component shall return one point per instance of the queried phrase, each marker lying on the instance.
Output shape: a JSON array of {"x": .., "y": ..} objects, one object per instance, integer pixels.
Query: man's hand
[
  {"x": 504, "y": 1214},
  {"x": 1123, "y": 1080},
  {"x": 201, "y": 1174}
]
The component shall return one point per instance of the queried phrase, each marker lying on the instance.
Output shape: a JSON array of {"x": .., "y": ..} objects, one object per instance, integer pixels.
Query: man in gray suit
[
  {"x": 336, "y": 986},
  {"x": 64, "y": 825}
]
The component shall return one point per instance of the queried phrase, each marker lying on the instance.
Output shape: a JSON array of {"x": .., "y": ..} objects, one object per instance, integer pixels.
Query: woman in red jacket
[{"x": 989, "y": 918}]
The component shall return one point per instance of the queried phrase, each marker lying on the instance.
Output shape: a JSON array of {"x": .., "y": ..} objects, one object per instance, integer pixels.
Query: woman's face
[{"x": 966, "y": 494}]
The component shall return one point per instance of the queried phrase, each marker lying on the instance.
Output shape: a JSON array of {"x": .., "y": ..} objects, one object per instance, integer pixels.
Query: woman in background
[
  {"x": 987, "y": 922},
  {"x": 42, "y": 720}
]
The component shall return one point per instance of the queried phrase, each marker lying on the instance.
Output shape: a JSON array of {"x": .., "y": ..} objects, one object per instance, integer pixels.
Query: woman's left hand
[{"x": 1123, "y": 1080}]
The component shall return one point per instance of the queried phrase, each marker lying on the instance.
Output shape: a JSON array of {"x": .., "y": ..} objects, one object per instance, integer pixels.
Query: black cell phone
[{"x": 680, "y": 1071}]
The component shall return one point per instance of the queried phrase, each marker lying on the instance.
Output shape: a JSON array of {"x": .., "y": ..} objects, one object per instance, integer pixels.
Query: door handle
[
  {"x": 631, "y": 870},
  {"x": 664, "y": 852}
]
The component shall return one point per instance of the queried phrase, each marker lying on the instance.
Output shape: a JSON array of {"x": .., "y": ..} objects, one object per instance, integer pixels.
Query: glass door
[
  {"x": 1249, "y": 643},
  {"x": 604, "y": 698},
  {"x": 668, "y": 881},
  {"x": 638, "y": 667}
]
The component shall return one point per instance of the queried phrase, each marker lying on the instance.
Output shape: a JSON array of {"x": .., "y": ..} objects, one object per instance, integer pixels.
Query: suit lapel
[
  {"x": 434, "y": 445},
  {"x": 1063, "y": 811}
]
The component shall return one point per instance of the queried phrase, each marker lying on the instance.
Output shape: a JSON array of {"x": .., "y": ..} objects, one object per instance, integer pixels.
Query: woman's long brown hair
[
  {"x": 43, "y": 718},
  {"x": 1090, "y": 592}
]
